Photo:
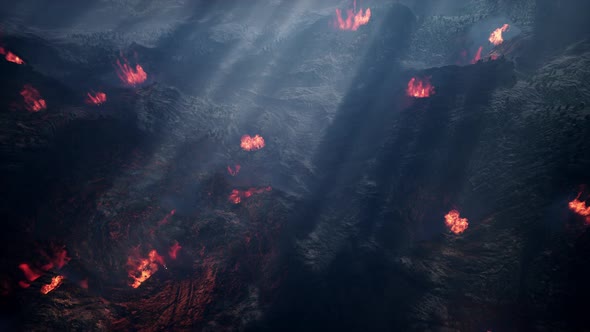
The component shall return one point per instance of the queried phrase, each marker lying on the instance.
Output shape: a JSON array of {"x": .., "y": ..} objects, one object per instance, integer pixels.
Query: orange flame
[
  {"x": 96, "y": 98},
  {"x": 477, "y": 56},
  {"x": 33, "y": 100},
  {"x": 496, "y": 36},
  {"x": 420, "y": 88},
  {"x": 233, "y": 171},
  {"x": 454, "y": 223},
  {"x": 173, "y": 251},
  {"x": 580, "y": 208},
  {"x": 353, "y": 20},
  {"x": 55, "y": 282},
  {"x": 130, "y": 76},
  {"x": 250, "y": 143},
  {"x": 11, "y": 57},
  {"x": 141, "y": 269},
  {"x": 236, "y": 195}
]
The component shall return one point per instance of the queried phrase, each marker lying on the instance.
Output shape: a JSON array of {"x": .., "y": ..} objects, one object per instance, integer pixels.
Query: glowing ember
[
  {"x": 173, "y": 251},
  {"x": 420, "y": 88},
  {"x": 236, "y": 195},
  {"x": 11, "y": 57},
  {"x": 33, "y": 100},
  {"x": 353, "y": 20},
  {"x": 141, "y": 269},
  {"x": 250, "y": 143},
  {"x": 55, "y": 282},
  {"x": 580, "y": 208},
  {"x": 454, "y": 223},
  {"x": 477, "y": 56},
  {"x": 96, "y": 98},
  {"x": 30, "y": 275},
  {"x": 61, "y": 258},
  {"x": 130, "y": 76},
  {"x": 496, "y": 36},
  {"x": 233, "y": 171},
  {"x": 84, "y": 283},
  {"x": 166, "y": 219}
]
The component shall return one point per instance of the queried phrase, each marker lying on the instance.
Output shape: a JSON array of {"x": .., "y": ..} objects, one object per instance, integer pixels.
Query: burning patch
[
  {"x": 96, "y": 98},
  {"x": 455, "y": 224},
  {"x": 353, "y": 19},
  {"x": 141, "y": 269},
  {"x": 420, "y": 88},
  {"x": 32, "y": 97},
  {"x": 477, "y": 56},
  {"x": 11, "y": 57},
  {"x": 128, "y": 75},
  {"x": 233, "y": 171},
  {"x": 496, "y": 36},
  {"x": 580, "y": 208},
  {"x": 55, "y": 282},
  {"x": 250, "y": 143},
  {"x": 237, "y": 196}
]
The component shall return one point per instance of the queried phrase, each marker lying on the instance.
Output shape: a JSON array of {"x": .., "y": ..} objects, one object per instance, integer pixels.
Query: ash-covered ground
[{"x": 415, "y": 165}]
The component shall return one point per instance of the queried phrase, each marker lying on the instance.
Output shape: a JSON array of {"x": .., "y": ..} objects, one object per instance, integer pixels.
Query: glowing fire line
[{"x": 55, "y": 282}]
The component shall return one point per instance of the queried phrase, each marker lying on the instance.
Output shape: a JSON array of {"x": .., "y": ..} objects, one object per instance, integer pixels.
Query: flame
[
  {"x": 234, "y": 171},
  {"x": 236, "y": 195},
  {"x": 420, "y": 88},
  {"x": 130, "y": 76},
  {"x": 11, "y": 57},
  {"x": 96, "y": 98},
  {"x": 477, "y": 56},
  {"x": 353, "y": 20},
  {"x": 55, "y": 282},
  {"x": 496, "y": 36},
  {"x": 141, "y": 269},
  {"x": 173, "y": 251},
  {"x": 454, "y": 223},
  {"x": 580, "y": 208},
  {"x": 33, "y": 100},
  {"x": 250, "y": 143}
]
